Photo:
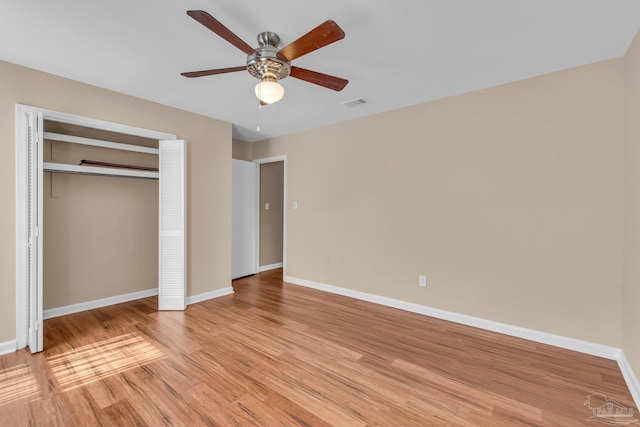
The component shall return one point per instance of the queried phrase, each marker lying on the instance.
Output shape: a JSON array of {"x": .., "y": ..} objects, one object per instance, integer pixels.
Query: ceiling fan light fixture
[{"x": 269, "y": 90}]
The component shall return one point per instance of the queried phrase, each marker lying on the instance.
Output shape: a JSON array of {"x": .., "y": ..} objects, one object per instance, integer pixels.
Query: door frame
[
  {"x": 21, "y": 152},
  {"x": 273, "y": 159}
]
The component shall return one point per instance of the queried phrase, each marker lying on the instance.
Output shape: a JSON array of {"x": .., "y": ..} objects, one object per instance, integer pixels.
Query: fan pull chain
[{"x": 259, "y": 107}]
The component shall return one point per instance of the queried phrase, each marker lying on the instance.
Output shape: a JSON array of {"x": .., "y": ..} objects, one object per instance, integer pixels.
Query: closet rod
[
  {"x": 99, "y": 143},
  {"x": 101, "y": 171},
  {"x": 117, "y": 165}
]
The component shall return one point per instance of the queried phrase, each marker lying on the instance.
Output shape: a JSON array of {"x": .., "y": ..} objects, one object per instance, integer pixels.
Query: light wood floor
[{"x": 278, "y": 354}]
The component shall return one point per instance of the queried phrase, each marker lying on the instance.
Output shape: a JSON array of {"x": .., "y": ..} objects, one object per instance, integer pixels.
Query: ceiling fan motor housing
[{"x": 266, "y": 62}]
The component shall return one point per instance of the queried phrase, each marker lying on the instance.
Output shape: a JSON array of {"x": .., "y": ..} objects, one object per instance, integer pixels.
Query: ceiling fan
[{"x": 269, "y": 64}]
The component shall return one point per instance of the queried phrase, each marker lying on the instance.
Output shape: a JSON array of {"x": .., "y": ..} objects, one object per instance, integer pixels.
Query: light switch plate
[{"x": 422, "y": 281}]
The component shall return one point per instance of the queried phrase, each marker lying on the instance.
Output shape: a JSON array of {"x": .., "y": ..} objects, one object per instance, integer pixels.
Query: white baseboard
[
  {"x": 607, "y": 352},
  {"x": 90, "y": 305},
  {"x": 8, "y": 347},
  {"x": 209, "y": 295},
  {"x": 630, "y": 378},
  {"x": 270, "y": 267}
]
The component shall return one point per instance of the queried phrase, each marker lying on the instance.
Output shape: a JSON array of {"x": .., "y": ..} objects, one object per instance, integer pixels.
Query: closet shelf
[
  {"x": 99, "y": 143},
  {"x": 102, "y": 171}
]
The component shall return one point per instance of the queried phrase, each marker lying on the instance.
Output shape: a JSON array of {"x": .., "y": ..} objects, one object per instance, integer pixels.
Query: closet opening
[
  {"x": 100, "y": 217},
  {"x": 100, "y": 232}
]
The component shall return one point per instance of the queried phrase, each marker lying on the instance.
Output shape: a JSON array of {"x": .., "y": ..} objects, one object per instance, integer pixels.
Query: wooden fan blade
[
  {"x": 214, "y": 25},
  {"x": 212, "y": 72},
  {"x": 331, "y": 82},
  {"x": 321, "y": 36}
]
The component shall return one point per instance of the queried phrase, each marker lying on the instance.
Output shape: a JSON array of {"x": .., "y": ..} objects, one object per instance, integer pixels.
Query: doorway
[
  {"x": 272, "y": 213},
  {"x": 271, "y": 208}
]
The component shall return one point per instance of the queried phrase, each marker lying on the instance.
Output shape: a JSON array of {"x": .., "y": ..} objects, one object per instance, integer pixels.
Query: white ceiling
[{"x": 395, "y": 53}]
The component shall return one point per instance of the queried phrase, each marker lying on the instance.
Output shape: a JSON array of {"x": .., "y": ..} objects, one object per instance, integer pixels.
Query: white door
[
  {"x": 172, "y": 247},
  {"x": 244, "y": 219},
  {"x": 34, "y": 238}
]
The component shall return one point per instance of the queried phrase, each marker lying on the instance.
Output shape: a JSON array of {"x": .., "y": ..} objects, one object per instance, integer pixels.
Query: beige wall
[
  {"x": 509, "y": 199},
  {"x": 100, "y": 237},
  {"x": 241, "y": 150},
  {"x": 208, "y": 177},
  {"x": 271, "y": 220},
  {"x": 100, "y": 233},
  {"x": 631, "y": 290}
]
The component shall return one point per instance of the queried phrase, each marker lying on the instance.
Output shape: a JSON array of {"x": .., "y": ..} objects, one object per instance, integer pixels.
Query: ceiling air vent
[{"x": 355, "y": 102}]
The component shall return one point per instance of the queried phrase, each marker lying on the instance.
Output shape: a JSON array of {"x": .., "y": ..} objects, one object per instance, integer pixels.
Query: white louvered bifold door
[
  {"x": 173, "y": 220},
  {"x": 34, "y": 255}
]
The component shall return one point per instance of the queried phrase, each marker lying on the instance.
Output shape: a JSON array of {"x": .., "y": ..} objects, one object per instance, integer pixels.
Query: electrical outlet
[{"x": 422, "y": 281}]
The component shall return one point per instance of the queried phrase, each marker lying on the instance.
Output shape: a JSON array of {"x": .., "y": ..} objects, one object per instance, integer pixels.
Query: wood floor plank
[
  {"x": 275, "y": 354},
  {"x": 120, "y": 413}
]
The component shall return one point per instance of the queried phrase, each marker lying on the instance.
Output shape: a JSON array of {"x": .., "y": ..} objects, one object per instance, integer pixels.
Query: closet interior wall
[{"x": 100, "y": 232}]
